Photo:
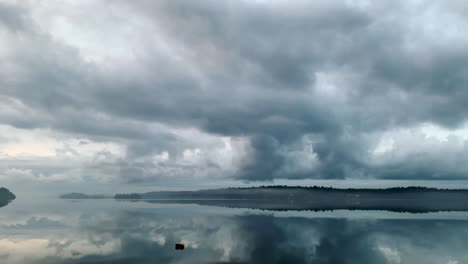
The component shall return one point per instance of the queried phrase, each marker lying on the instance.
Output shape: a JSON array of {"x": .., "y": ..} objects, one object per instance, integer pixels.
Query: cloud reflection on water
[{"x": 148, "y": 236}]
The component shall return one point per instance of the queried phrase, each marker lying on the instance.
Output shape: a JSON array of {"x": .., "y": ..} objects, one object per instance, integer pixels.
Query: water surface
[{"x": 107, "y": 231}]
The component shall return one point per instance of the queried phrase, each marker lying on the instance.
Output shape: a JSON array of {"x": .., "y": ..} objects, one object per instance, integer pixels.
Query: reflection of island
[
  {"x": 83, "y": 196},
  {"x": 6, "y": 196},
  {"x": 401, "y": 199}
]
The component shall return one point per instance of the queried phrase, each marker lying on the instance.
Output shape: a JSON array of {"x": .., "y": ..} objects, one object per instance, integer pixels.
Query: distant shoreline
[
  {"x": 259, "y": 192},
  {"x": 279, "y": 191},
  {"x": 298, "y": 198}
]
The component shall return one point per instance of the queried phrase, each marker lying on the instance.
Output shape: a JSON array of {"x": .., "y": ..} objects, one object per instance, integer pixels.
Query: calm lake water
[{"x": 108, "y": 231}]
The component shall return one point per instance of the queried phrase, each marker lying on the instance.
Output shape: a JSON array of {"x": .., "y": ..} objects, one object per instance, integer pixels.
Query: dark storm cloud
[
  {"x": 255, "y": 70},
  {"x": 266, "y": 160},
  {"x": 13, "y": 17},
  {"x": 286, "y": 45}
]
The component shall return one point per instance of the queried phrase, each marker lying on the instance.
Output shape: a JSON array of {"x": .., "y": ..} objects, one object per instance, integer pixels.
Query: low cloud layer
[{"x": 150, "y": 91}]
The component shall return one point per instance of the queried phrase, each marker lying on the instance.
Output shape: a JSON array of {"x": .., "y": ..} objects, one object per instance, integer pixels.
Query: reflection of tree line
[{"x": 259, "y": 205}]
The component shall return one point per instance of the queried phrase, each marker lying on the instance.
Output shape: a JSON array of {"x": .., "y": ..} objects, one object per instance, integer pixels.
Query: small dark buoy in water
[{"x": 179, "y": 246}]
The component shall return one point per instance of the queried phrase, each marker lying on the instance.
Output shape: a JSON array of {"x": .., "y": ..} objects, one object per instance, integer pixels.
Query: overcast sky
[{"x": 199, "y": 93}]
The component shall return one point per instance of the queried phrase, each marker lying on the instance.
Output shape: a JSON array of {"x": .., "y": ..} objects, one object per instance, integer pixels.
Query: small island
[{"x": 6, "y": 196}]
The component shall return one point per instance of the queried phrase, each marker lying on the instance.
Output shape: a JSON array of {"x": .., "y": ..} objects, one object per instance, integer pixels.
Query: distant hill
[
  {"x": 83, "y": 196},
  {"x": 6, "y": 196}
]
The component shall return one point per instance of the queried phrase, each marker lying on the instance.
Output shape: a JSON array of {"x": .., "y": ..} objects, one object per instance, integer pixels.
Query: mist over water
[{"x": 108, "y": 231}]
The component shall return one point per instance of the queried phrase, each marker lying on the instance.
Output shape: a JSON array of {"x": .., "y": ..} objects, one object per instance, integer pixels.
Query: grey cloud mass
[{"x": 243, "y": 90}]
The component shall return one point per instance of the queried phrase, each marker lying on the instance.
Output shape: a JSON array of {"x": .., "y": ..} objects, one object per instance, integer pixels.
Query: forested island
[
  {"x": 317, "y": 198},
  {"x": 6, "y": 196}
]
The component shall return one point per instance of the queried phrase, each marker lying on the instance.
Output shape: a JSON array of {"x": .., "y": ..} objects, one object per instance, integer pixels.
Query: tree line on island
[{"x": 324, "y": 188}]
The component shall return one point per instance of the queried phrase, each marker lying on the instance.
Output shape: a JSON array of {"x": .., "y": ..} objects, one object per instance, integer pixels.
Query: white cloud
[
  {"x": 21, "y": 250},
  {"x": 43, "y": 143},
  {"x": 392, "y": 255}
]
